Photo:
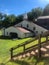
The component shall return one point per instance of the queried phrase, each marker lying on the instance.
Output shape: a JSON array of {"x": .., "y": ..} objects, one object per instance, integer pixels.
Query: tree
[
  {"x": 30, "y": 16},
  {"x": 1, "y": 19},
  {"x": 37, "y": 12},
  {"x": 9, "y": 20},
  {"x": 6, "y": 22},
  {"x": 12, "y": 18},
  {"x": 19, "y": 19},
  {"x": 46, "y": 10}
]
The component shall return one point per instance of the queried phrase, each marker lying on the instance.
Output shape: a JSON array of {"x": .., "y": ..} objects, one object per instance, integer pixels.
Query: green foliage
[
  {"x": 30, "y": 16},
  {"x": 18, "y": 19},
  {"x": 46, "y": 10},
  {"x": 10, "y": 20},
  {"x": 36, "y": 12}
]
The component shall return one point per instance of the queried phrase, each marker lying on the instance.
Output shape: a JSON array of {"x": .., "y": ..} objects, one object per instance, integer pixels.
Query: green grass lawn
[{"x": 5, "y": 46}]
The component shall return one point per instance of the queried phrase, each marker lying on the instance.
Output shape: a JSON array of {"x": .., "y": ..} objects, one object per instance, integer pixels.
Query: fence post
[
  {"x": 39, "y": 47},
  {"x": 46, "y": 38},
  {"x": 11, "y": 53},
  {"x": 24, "y": 48}
]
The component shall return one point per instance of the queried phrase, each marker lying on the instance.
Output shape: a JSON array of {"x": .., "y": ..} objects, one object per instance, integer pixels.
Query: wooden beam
[
  {"x": 46, "y": 38},
  {"x": 39, "y": 46},
  {"x": 11, "y": 53},
  {"x": 24, "y": 48}
]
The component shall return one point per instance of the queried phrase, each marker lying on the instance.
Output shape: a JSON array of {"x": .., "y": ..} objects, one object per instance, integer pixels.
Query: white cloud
[
  {"x": 44, "y": 1},
  {"x": 6, "y": 11}
]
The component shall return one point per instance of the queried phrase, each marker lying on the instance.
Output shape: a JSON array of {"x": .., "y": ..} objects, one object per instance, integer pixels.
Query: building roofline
[{"x": 43, "y": 17}]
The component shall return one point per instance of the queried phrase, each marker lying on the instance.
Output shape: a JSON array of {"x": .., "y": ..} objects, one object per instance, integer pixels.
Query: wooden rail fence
[{"x": 46, "y": 34}]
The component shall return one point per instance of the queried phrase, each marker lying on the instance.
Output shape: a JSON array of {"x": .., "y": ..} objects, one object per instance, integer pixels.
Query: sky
[{"x": 18, "y": 7}]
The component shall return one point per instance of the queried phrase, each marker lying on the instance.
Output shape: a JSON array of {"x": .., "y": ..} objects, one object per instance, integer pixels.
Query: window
[
  {"x": 25, "y": 34},
  {"x": 41, "y": 32},
  {"x": 36, "y": 31},
  {"x": 34, "y": 28},
  {"x": 27, "y": 25},
  {"x": 21, "y": 25}
]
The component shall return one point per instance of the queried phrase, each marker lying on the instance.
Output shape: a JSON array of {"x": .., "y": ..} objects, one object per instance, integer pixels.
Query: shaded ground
[{"x": 34, "y": 52}]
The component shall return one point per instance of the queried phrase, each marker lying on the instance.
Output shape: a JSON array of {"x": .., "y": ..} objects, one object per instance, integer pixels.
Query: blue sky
[{"x": 20, "y": 6}]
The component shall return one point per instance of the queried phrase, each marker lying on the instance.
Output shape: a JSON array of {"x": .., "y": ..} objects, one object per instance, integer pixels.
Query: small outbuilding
[{"x": 17, "y": 32}]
